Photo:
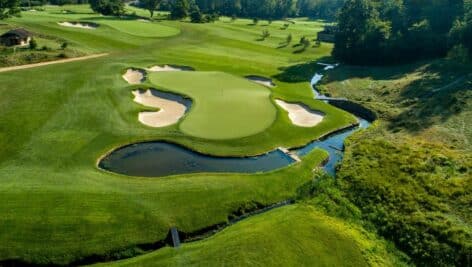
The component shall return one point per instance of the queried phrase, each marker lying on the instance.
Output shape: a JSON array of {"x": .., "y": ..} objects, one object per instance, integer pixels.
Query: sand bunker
[
  {"x": 301, "y": 115},
  {"x": 82, "y": 25},
  {"x": 170, "y": 111},
  {"x": 261, "y": 80},
  {"x": 134, "y": 76},
  {"x": 169, "y": 68}
]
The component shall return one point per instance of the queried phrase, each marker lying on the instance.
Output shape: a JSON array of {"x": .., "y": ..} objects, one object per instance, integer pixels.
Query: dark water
[
  {"x": 334, "y": 145},
  {"x": 157, "y": 159}
]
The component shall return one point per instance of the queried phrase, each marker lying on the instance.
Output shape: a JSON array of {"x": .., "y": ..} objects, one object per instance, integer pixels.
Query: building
[
  {"x": 327, "y": 35},
  {"x": 16, "y": 37}
]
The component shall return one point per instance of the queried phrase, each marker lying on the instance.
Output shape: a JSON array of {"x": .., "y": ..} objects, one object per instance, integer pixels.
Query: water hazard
[{"x": 158, "y": 159}]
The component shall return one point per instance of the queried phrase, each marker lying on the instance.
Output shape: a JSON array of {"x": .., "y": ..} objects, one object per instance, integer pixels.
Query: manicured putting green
[
  {"x": 141, "y": 28},
  {"x": 225, "y": 106}
]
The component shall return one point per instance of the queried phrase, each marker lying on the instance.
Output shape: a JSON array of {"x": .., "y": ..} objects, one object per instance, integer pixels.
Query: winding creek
[{"x": 158, "y": 159}]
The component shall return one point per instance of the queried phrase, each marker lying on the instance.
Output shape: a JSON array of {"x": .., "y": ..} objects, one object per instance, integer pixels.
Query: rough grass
[
  {"x": 411, "y": 174},
  {"x": 297, "y": 235}
]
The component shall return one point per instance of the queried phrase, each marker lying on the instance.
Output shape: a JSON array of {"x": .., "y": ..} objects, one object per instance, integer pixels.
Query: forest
[{"x": 393, "y": 31}]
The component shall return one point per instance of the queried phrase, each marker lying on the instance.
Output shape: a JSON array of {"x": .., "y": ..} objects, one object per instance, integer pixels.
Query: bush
[
  {"x": 414, "y": 199},
  {"x": 108, "y": 7},
  {"x": 64, "y": 45},
  {"x": 265, "y": 34},
  {"x": 195, "y": 15},
  {"x": 179, "y": 9},
  {"x": 33, "y": 44}
]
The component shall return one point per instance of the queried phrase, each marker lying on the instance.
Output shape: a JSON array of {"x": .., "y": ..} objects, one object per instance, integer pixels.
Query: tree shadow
[
  {"x": 282, "y": 45},
  {"x": 301, "y": 72},
  {"x": 444, "y": 91}
]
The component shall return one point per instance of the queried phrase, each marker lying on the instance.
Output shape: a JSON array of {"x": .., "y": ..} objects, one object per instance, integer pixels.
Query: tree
[
  {"x": 108, "y": 7},
  {"x": 265, "y": 34},
  {"x": 150, "y": 5},
  {"x": 289, "y": 38},
  {"x": 361, "y": 34},
  {"x": 33, "y": 44},
  {"x": 195, "y": 14},
  {"x": 9, "y": 8},
  {"x": 179, "y": 9}
]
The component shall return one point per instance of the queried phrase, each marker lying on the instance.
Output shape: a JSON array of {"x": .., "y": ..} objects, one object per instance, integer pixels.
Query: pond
[{"x": 158, "y": 159}]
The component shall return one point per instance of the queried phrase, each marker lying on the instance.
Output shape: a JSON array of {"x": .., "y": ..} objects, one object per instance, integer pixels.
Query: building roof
[{"x": 22, "y": 33}]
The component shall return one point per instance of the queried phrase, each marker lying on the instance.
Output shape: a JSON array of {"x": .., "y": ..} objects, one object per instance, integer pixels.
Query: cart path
[{"x": 60, "y": 61}]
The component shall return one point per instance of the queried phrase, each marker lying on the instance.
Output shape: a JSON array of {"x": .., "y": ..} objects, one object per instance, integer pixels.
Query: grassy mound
[
  {"x": 297, "y": 235},
  {"x": 225, "y": 106}
]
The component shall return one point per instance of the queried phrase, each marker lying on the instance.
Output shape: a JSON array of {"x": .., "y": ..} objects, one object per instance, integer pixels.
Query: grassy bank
[
  {"x": 297, "y": 235},
  {"x": 411, "y": 174}
]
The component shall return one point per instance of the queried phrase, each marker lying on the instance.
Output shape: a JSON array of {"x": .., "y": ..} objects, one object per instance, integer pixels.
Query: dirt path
[{"x": 60, "y": 61}]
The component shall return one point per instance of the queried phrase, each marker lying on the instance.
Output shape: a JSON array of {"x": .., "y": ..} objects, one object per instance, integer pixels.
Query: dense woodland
[{"x": 394, "y": 31}]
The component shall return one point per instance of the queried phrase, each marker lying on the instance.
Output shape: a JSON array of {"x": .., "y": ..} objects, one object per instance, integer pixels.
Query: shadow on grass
[
  {"x": 301, "y": 72},
  {"x": 282, "y": 45},
  {"x": 444, "y": 91}
]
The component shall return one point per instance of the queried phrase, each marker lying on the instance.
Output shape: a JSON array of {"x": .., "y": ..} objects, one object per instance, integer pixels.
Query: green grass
[
  {"x": 224, "y": 106},
  {"x": 57, "y": 120},
  {"x": 410, "y": 174},
  {"x": 140, "y": 28},
  {"x": 297, "y": 235}
]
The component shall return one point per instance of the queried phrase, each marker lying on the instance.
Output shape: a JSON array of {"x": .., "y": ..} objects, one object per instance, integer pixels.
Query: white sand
[
  {"x": 300, "y": 115},
  {"x": 262, "y": 81},
  {"x": 78, "y": 25},
  {"x": 164, "y": 68},
  {"x": 170, "y": 112},
  {"x": 133, "y": 76}
]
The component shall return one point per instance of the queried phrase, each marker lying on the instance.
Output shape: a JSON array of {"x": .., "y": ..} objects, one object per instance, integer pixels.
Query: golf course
[{"x": 119, "y": 134}]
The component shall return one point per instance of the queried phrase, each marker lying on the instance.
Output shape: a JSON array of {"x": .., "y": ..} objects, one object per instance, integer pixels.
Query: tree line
[
  {"x": 260, "y": 9},
  {"x": 398, "y": 31}
]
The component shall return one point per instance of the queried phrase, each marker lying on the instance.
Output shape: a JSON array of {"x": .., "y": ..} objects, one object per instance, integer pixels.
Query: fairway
[
  {"x": 225, "y": 106},
  {"x": 140, "y": 28},
  {"x": 60, "y": 119}
]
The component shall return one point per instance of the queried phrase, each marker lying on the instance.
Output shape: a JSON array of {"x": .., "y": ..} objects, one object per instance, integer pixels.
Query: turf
[
  {"x": 296, "y": 235},
  {"x": 140, "y": 28},
  {"x": 57, "y": 120},
  {"x": 224, "y": 106}
]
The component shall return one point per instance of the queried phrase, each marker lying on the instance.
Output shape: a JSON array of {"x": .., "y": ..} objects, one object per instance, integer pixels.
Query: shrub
[
  {"x": 265, "y": 34},
  {"x": 33, "y": 44}
]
